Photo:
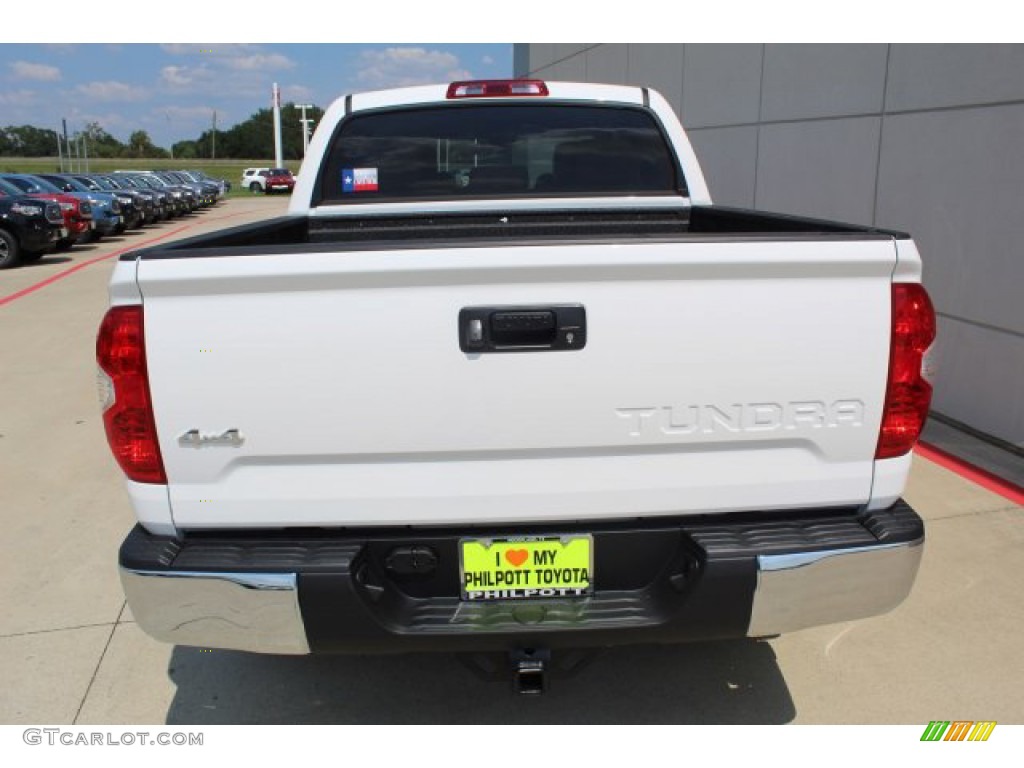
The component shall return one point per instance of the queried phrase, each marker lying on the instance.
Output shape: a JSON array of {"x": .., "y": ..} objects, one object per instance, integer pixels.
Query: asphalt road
[{"x": 70, "y": 652}]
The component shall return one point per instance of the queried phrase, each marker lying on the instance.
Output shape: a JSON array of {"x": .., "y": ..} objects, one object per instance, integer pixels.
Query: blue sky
[{"x": 171, "y": 90}]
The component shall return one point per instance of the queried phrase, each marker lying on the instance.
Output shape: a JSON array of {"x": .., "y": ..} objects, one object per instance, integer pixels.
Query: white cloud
[
  {"x": 213, "y": 71},
  {"x": 176, "y": 76},
  {"x": 110, "y": 121},
  {"x": 394, "y": 67},
  {"x": 29, "y": 71},
  {"x": 112, "y": 90},
  {"x": 260, "y": 62},
  {"x": 239, "y": 56},
  {"x": 487, "y": 60},
  {"x": 20, "y": 107},
  {"x": 189, "y": 114},
  {"x": 207, "y": 50},
  {"x": 296, "y": 93},
  {"x": 20, "y": 98}
]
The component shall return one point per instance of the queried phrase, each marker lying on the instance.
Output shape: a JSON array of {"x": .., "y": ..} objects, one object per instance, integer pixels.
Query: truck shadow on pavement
[
  {"x": 46, "y": 261},
  {"x": 705, "y": 683}
]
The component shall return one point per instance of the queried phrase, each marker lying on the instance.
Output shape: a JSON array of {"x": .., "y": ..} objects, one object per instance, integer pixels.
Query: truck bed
[{"x": 733, "y": 361}]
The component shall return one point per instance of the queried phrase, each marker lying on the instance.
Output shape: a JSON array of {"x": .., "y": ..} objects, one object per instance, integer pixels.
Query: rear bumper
[
  {"x": 39, "y": 236},
  {"x": 107, "y": 224},
  {"x": 657, "y": 581}
]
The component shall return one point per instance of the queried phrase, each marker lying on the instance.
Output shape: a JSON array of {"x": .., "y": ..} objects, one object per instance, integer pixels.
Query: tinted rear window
[{"x": 507, "y": 150}]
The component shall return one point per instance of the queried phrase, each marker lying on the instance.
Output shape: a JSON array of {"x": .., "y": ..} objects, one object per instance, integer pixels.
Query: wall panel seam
[{"x": 980, "y": 324}]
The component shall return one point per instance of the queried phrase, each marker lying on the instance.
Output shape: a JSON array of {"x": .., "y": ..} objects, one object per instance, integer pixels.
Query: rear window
[{"x": 507, "y": 150}]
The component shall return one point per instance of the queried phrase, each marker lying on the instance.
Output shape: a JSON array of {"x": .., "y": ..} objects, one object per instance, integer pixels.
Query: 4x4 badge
[{"x": 193, "y": 437}]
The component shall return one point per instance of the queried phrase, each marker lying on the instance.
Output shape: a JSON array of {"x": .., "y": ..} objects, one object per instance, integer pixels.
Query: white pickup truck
[{"x": 504, "y": 379}]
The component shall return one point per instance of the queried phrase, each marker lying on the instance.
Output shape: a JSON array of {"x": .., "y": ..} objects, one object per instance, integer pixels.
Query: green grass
[{"x": 220, "y": 169}]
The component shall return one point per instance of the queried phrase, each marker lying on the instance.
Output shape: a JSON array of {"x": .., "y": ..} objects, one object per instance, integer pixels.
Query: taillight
[
  {"x": 909, "y": 391},
  {"x": 124, "y": 395},
  {"x": 468, "y": 89}
]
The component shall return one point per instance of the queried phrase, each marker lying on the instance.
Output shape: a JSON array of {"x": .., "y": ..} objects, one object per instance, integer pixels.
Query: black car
[
  {"x": 223, "y": 185},
  {"x": 29, "y": 229},
  {"x": 177, "y": 203},
  {"x": 163, "y": 207},
  {"x": 206, "y": 191}
]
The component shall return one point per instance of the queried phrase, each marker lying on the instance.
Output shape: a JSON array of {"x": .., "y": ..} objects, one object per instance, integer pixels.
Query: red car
[
  {"x": 77, "y": 213},
  {"x": 279, "y": 180}
]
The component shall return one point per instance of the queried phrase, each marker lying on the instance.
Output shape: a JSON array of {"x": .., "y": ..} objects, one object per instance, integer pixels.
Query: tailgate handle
[{"x": 522, "y": 329}]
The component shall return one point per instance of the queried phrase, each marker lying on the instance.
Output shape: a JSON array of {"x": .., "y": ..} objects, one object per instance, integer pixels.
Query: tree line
[
  {"x": 31, "y": 141},
  {"x": 251, "y": 138}
]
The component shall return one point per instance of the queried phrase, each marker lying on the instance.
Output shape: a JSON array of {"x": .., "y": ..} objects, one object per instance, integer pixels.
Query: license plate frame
[{"x": 536, "y": 567}]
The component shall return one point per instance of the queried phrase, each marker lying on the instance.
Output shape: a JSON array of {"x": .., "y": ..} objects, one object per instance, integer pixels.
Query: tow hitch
[{"x": 530, "y": 670}]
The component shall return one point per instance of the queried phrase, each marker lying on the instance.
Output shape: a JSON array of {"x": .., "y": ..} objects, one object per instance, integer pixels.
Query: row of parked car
[{"x": 45, "y": 212}]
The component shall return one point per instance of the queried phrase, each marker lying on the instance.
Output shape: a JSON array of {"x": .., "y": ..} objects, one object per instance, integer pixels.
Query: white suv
[{"x": 255, "y": 179}]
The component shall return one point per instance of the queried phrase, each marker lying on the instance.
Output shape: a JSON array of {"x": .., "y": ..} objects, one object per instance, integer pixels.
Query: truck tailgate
[{"x": 716, "y": 376}]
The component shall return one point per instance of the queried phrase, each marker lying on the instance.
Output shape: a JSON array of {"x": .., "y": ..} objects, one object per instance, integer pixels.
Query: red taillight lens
[
  {"x": 908, "y": 393},
  {"x": 470, "y": 89},
  {"x": 128, "y": 414}
]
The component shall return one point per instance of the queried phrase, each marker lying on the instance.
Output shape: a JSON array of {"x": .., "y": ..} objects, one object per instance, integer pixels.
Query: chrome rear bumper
[
  {"x": 245, "y": 611},
  {"x": 295, "y": 596},
  {"x": 813, "y": 588}
]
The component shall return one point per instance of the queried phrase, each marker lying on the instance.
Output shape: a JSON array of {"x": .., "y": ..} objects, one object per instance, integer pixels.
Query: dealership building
[{"x": 927, "y": 139}]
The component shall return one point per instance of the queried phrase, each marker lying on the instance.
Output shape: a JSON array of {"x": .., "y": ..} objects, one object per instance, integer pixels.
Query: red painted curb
[
  {"x": 82, "y": 265},
  {"x": 977, "y": 475}
]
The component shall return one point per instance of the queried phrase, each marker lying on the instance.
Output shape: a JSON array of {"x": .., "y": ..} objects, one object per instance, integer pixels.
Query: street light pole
[
  {"x": 276, "y": 105},
  {"x": 67, "y": 146},
  {"x": 305, "y": 126},
  {"x": 168, "y": 116}
]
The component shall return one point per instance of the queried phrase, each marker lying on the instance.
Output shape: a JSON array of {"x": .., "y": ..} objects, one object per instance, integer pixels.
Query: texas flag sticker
[{"x": 359, "y": 180}]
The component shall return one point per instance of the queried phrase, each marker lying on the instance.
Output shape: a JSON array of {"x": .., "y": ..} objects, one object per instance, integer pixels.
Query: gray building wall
[{"x": 923, "y": 138}]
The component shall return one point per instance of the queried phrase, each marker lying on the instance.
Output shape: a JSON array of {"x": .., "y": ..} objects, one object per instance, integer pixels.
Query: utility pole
[
  {"x": 305, "y": 126},
  {"x": 67, "y": 147},
  {"x": 85, "y": 151},
  {"x": 60, "y": 154},
  {"x": 213, "y": 138},
  {"x": 278, "y": 159}
]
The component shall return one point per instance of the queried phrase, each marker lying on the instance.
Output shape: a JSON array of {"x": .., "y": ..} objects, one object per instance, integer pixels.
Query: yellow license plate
[{"x": 527, "y": 567}]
